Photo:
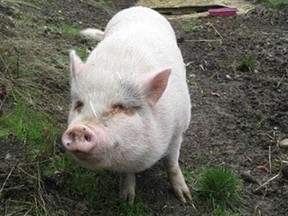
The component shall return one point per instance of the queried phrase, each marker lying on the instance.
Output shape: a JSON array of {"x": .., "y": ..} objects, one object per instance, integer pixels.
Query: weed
[
  {"x": 191, "y": 79},
  {"x": 83, "y": 54},
  {"x": 189, "y": 26},
  {"x": 218, "y": 186},
  {"x": 247, "y": 63}
]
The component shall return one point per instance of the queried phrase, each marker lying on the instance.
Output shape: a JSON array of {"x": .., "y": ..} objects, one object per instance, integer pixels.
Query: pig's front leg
[
  {"x": 127, "y": 186},
  {"x": 174, "y": 172}
]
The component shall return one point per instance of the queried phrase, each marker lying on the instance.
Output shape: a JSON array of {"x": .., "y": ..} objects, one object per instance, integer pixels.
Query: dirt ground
[
  {"x": 238, "y": 117},
  {"x": 249, "y": 117}
]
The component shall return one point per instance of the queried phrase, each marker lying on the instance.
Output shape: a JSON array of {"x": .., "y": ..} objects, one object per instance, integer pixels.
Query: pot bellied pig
[{"x": 130, "y": 101}]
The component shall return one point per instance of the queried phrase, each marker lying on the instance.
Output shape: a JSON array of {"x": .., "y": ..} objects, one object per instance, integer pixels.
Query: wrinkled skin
[{"x": 130, "y": 101}]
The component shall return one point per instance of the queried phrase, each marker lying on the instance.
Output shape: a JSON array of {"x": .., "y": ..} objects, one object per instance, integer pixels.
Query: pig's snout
[{"x": 79, "y": 139}]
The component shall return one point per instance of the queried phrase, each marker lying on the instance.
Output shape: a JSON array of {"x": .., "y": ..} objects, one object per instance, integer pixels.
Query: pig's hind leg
[
  {"x": 174, "y": 172},
  {"x": 127, "y": 187}
]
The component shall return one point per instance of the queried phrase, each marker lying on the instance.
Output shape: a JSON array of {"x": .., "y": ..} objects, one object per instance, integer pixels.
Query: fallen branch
[
  {"x": 271, "y": 179},
  {"x": 217, "y": 32},
  {"x": 270, "y": 163},
  {"x": 185, "y": 9},
  {"x": 8, "y": 176},
  {"x": 205, "y": 40}
]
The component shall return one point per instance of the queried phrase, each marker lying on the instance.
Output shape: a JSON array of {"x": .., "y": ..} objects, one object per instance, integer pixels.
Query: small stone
[
  {"x": 8, "y": 156},
  {"x": 228, "y": 77},
  {"x": 283, "y": 143}
]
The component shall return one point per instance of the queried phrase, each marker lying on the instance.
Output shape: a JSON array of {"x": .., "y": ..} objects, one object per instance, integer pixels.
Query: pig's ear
[
  {"x": 155, "y": 85},
  {"x": 76, "y": 64}
]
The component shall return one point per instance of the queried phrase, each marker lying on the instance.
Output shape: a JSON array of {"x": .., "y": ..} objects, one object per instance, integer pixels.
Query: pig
[{"x": 130, "y": 101}]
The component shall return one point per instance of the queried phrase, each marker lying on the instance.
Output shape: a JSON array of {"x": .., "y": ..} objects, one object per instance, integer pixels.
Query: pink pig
[{"x": 130, "y": 101}]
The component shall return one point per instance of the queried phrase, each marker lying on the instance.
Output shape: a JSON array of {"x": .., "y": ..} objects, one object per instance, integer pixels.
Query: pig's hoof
[
  {"x": 128, "y": 194},
  {"x": 182, "y": 191},
  {"x": 179, "y": 186},
  {"x": 127, "y": 187}
]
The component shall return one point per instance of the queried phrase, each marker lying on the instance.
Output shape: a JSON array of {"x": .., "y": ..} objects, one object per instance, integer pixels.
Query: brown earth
[{"x": 237, "y": 116}]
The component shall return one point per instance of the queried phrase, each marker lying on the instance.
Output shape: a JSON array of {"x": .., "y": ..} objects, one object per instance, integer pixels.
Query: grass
[
  {"x": 220, "y": 211},
  {"x": 189, "y": 26},
  {"x": 247, "y": 63},
  {"x": 94, "y": 187},
  {"x": 65, "y": 30},
  {"x": 218, "y": 187},
  {"x": 277, "y": 4},
  {"x": 31, "y": 128}
]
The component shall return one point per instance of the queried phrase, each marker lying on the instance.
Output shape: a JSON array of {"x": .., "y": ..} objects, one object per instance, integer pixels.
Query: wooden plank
[{"x": 185, "y": 9}]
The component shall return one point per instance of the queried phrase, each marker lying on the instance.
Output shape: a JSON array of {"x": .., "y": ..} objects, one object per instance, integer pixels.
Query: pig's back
[
  {"x": 139, "y": 17},
  {"x": 152, "y": 39},
  {"x": 139, "y": 40},
  {"x": 140, "y": 33}
]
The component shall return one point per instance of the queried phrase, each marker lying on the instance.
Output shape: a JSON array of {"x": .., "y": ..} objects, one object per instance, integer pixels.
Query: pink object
[{"x": 223, "y": 12}]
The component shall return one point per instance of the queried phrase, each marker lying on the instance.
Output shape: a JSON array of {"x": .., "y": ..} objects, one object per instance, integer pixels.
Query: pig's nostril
[
  {"x": 87, "y": 138},
  {"x": 68, "y": 144}
]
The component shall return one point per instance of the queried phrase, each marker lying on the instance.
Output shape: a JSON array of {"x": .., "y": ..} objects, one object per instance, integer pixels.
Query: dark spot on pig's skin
[
  {"x": 68, "y": 144},
  {"x": 116, "y": 144}
]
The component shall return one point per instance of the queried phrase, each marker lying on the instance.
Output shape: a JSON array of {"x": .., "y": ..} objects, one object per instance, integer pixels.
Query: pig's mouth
[
  {"x": 88, "y": 157},
  {"x": 82, "y": 156}
]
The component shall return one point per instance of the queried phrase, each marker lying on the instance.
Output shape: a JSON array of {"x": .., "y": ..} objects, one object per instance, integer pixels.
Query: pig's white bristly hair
[
  {"x": 92, "y": 109},
  {"x": 119, "y": 76}
]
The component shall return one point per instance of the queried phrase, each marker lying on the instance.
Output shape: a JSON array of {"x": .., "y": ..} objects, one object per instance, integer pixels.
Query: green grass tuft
[
  {"x": 189, "y": 26},
  {"x": 218, "y": 186},
  {"x": 247, "y": 63}
]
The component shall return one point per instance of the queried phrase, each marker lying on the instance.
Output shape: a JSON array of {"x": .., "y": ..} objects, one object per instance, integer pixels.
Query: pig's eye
[
  {"x": 119, "y": 106},
  {"x": 78, "y": 106}
]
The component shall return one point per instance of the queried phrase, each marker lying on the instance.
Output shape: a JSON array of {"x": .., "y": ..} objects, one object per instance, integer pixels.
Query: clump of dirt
[{"x": 238, "y": 117}]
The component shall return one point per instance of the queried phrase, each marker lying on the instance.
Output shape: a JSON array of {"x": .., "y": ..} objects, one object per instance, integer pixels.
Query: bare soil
[{"x": 238, "y": 117}]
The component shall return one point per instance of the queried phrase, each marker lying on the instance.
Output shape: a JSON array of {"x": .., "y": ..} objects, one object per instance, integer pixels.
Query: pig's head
[{"x": 111, "y": 117}]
